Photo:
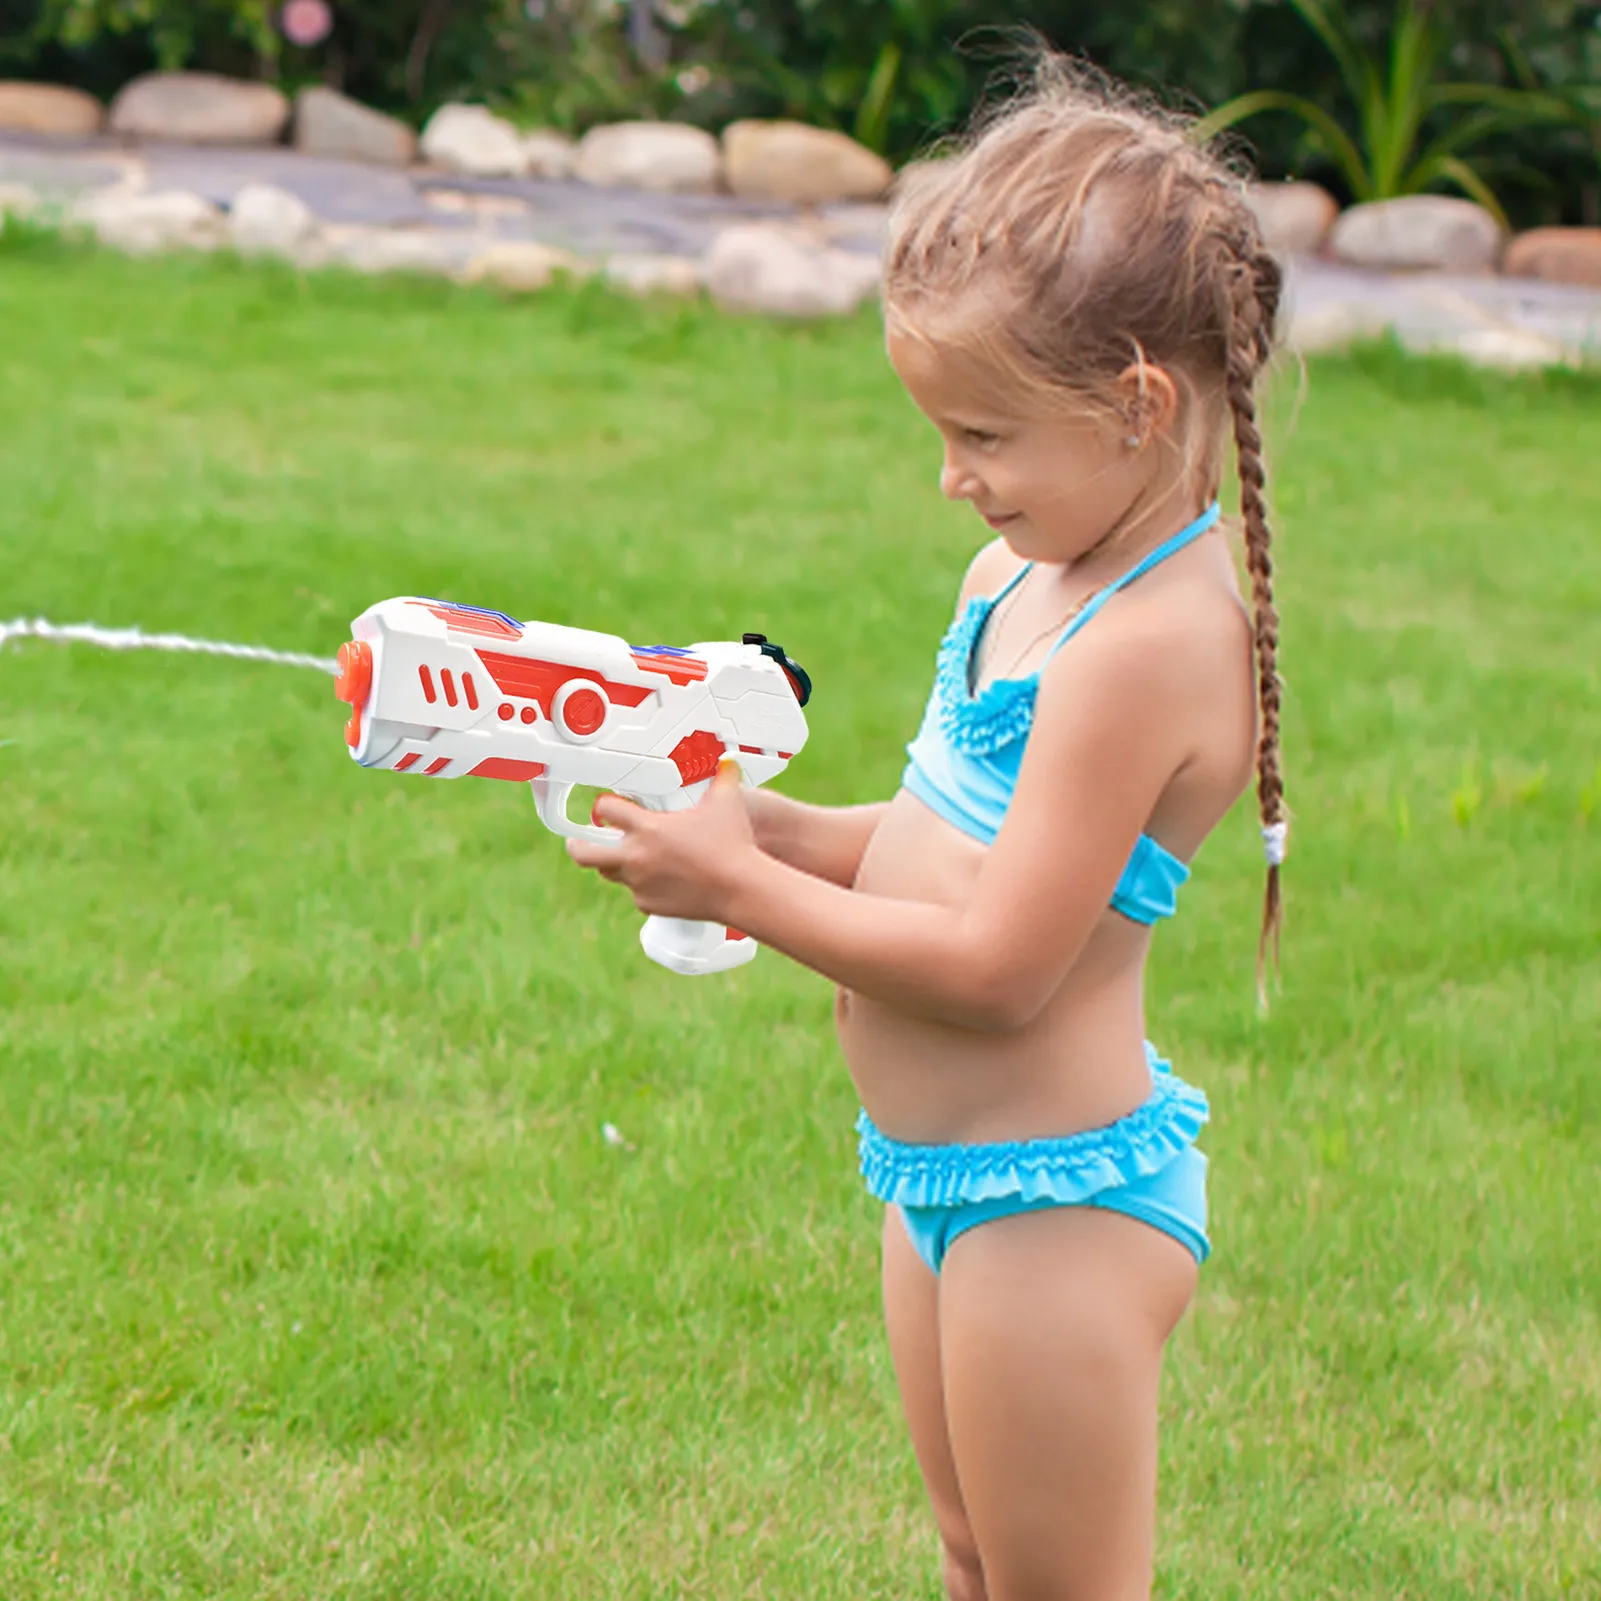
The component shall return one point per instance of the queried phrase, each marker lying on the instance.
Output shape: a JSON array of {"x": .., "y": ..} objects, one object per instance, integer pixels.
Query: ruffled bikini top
[{"x": 964, "y": 761}]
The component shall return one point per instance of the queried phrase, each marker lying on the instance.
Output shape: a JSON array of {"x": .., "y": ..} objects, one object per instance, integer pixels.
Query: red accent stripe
[
  {"x": 731, "y": 933},
  {"x": 427, "y": 685},
  {"x": 438, "y": 765},
  {"x": 470, "y": 622},
  {"x": 472, "y": 694},
  {"x": 680, "y": 669},
  {"x": 752, "y": 750},
  {"x": 449, "y": 682},
  {"x": 410, "y": 759},
  {"x": 505, "y": 767},
  {"x": 784, "y": 755},
  {"x": 530, "y": 679}
]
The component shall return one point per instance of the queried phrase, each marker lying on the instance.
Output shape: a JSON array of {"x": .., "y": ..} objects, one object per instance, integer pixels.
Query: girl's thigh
[
  {"x": 911, "y": 1317},
  {"x": 1051, "y": 1330}
]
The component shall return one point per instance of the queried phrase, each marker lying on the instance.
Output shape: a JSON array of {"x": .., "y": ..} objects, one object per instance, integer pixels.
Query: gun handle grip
[{"x": 694, "y": 949}]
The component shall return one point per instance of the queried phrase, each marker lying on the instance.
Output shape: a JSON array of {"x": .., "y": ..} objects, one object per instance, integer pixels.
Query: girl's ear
[{"x": 1147, "y": 399}]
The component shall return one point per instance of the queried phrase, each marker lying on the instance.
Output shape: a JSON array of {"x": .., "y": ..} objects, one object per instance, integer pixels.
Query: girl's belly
[{"x": 1079, "y": 1064}]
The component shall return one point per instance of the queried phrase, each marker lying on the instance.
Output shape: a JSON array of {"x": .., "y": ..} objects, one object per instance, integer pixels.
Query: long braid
[{"x": 1255, "y": 287}]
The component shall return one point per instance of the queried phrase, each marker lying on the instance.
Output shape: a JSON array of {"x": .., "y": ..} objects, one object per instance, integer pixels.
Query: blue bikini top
[{"x": 966, "y": 756}]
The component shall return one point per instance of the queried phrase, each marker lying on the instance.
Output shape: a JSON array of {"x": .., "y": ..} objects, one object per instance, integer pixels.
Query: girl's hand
[{"x": 676, "y": 864}]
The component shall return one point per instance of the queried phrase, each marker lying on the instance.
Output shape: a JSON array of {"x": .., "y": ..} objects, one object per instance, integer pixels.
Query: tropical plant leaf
[
  {"x": 872, "y": 116},
  {"x": 1333, "y": 137},
  {"x": 1337, "y": 38},
  {"x": 1465, "y": 178}
]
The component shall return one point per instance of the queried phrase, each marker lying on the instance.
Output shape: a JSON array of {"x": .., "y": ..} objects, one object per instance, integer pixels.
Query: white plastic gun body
[{"x": 449, "y": 691}]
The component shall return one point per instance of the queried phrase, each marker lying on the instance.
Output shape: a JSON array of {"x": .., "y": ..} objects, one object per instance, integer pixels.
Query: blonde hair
[{"x": 1090, "y": 231}]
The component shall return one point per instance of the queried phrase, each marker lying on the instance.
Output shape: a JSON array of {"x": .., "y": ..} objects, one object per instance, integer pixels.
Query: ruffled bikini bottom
[{"x": 1145, "y": 1165}]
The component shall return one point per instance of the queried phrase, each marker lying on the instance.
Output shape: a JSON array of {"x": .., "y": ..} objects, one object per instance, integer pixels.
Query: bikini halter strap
[{"x": 1169, "y": 547}]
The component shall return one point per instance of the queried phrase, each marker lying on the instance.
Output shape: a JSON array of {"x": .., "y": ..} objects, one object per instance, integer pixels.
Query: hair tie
[{"x": 1275, "y": 841}]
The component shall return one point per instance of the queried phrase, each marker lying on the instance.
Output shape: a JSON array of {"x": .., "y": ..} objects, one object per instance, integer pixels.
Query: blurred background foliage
[{"x": 894, "y": 73}]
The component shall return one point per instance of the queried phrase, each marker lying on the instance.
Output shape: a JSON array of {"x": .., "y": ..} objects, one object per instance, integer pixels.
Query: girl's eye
[{"x": 977, "y": 436}]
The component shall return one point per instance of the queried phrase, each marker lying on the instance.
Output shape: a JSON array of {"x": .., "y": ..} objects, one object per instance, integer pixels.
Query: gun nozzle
[
  {"x": 353, "y": 684},
  {"x": 354, "y": 679}
]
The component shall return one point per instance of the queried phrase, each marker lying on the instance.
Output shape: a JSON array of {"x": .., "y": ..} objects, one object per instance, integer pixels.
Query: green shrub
[{"x": 894, "y": 72}]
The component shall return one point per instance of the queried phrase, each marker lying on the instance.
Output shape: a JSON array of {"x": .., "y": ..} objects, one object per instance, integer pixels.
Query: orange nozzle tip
[{"x": 353, "y": 682}]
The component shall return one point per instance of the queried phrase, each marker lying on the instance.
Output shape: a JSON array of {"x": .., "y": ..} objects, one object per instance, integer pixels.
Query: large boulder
[
  {"x": 1295, "y": 218},
  {"x": 668, "y": 157},
  {"x": 1416, "y": 232},
  {"x": 267, "y": 221},
  {"x": 47, "y": 108},
  {"x": 199, "y": 108},
  {"x": 328, "y": 123},
  {"x": 146, "y": 222},
  {"x": 1558, "y": 255},
  {"x": 763, "y": 267},
  {"x": 472, "y": 139},
  {"x": 802, "y": 165}
]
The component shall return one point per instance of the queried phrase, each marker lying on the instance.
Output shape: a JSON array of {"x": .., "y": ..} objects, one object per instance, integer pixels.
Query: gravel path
[{"x": 1329, "y": 303}]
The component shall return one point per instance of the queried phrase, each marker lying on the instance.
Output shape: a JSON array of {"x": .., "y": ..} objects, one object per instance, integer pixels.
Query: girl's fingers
[
  {"x": 617, "y": 812},
  {"x": 588, "y": 854}
]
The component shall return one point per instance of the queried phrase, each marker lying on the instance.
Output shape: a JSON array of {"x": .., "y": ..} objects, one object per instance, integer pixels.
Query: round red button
[{"x": 583, "y": 711}]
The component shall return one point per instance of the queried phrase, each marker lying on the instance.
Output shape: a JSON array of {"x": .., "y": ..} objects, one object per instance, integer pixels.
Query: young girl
[{"x": 1080, "y": 303}]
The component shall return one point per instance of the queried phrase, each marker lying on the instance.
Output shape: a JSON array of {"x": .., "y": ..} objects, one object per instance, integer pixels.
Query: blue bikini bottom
[{"x": 1145, "y": 1165}]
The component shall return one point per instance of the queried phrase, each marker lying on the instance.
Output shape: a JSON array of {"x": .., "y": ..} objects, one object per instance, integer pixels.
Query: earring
[{"x": 1133, "y": 441}]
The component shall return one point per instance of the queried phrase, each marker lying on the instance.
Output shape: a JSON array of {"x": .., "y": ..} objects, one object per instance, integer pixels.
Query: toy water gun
[{"x": 448, "y": 691}]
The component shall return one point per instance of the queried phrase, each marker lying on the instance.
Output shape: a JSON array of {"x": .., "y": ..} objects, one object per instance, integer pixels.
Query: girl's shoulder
[{"x": 989, "y": 571}]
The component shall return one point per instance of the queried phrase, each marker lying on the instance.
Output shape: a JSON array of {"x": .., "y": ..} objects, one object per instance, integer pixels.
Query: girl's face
[{"x": 1049, "y": 481}]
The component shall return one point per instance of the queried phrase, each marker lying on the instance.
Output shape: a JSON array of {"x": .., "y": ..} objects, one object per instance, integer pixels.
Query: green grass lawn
[{"x": 318, "y": 1277}]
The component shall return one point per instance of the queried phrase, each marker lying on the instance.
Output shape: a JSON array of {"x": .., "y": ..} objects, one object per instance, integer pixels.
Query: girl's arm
[
  {"x": 1110, "y": 730},
  {"x": 825, "y": 842},
  {"x": 828, "y": 842}
]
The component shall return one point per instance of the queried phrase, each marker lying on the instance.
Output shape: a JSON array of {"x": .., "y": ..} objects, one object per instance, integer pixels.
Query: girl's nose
[{"x": 955, "y": 481}]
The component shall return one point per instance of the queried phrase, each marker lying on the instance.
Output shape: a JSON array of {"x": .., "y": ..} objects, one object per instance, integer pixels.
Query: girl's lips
[{"x": 1000, "y": 522}]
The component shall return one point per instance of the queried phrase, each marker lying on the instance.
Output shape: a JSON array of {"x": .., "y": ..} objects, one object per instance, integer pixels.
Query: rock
[
  {"x": 802, "y": 165},
  {"x": 472, "y": 139},
  {"x": 1511, "y": 349},
  {"x": 548, "y": 154},
  {"x": 144, "y": 223},
  {"x": 47, "y": 108},
  {"x": 667, "y": 157},
  {"x": 1295, "y": 218},
  {"x": 654, "y": 275},
  {"x": 378, "y": 250},
  {"x": 522, "y": 266},
  {"x": 199, "y": 108},
  {"x": 765, "y": 268},
  {"x": 17, "y": 200},
  {"x": 1334, "y": 327},
  {"x": 328, "y": 123},
  {"x": 268, "y": 221},
  {"x": 1556, "y": 255},
  {"x": 1418, "y": 231}
]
